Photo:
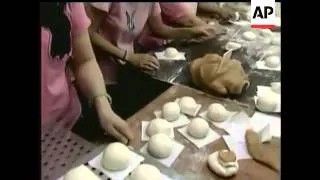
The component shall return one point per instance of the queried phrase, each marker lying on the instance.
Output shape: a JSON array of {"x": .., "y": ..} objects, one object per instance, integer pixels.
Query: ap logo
[{"x": 263, "y": 14}]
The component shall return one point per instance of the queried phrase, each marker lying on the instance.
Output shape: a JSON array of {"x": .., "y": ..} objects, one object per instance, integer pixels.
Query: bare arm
[
  {"x": 208, "y": 7},
  {"x": 97, "y": 38},
  {"x": 190, "y": 20},
  {"x": 159, "y": 28}
]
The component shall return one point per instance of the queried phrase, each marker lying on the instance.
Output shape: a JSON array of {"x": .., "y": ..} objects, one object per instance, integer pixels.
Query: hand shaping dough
[
  {"x": 266, "y": 33},
  {"x": 224, "y": 163},
  {"x": 198, "y": 128},
  {"x": 116, "y": 157},
  {"x": 250, "y": 36},
  {"x": 266, "y": 102},
  {"x": 187, "y": 104},
  {"x": 230, "y": 79},
  {"x": 232, "y": 46},
  {"x": 171, "y": 111},
  {"x": 159, "y": 125},
  {"x": 276, "y": 87},
  {"x": 171, "y": 52},
  {"x": 160, "y": 146},
  {"x": 217, "y": 112},
  {"x": 273, "y": 61},
  {"x": 145, "y": 172},
  {"x": 79, "y": 173}
]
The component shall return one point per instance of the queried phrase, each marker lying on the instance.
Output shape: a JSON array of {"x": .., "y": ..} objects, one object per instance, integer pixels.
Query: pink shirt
[
  {"x": 170, "y": 13},
  {"x": 122, "y": 25},
  {"x": 59, "y": 100}
]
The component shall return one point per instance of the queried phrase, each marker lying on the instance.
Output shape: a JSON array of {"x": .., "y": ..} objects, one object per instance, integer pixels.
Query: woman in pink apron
[{"x": 65, "y": 38}]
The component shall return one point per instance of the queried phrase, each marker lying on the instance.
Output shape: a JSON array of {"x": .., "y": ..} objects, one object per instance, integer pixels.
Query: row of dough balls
[{"x": 224, "y": 163}]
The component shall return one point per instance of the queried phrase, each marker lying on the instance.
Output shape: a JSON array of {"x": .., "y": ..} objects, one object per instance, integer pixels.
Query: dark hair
[{"x": 53, "y": 17}]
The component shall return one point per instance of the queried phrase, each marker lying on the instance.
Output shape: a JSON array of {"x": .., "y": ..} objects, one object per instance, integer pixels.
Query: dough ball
[
  {"x": 233, "y": 46},
  {"x": 171, "y": 111},
  {"x": 159, "y": 125},
  {"x": 266, "y": 32},
  {"x": 223, "y": 169},
  {"x": 217, "y": 112},
  {"x": 266, "y": 40},
  {"x": 187, "y": 104},
  {"x": 276, "y": 41},
  {"x": 145, "y": 172},
  {"x": 160, "y": 146},
  {"x": 171, "y": 52},
  {"x": 273, "y": 61},
  {"x": 276, "y": 87},
  {"x": 211, "y": 23},
  {"x": 248, "y": 35},
  {"x": 198, "y": 128},
  {"x": 80, "y": 173},
  {"x": 116, "y": 157},
  {"x": 266, "y": 102}
]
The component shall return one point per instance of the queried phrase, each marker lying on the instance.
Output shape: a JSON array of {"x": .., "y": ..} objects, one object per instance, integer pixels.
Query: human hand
[
  {"x": 227, "y": 14},
  {"x": 112, "y": 123},
  {"x": 144, "y": 61},
  {"x": 206, "y": 32}
]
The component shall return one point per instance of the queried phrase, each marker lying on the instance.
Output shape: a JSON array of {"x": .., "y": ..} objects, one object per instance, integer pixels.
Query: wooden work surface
[{"x": 192, "y": 162}]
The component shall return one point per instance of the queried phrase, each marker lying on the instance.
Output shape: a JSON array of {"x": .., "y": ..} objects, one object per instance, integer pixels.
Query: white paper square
[
  {"x": 163, "y": 177},
  {"x": 239, "y": 148},
  {"x": 265, "y": 133},
  {"x": 260, "y": 120},
  {"x": 181, "y": 121},
  {"x": 144, "y": 135},
  {"x": 193, "y": 114},
  {"x": 261, "y": 65},
  {"x": 179, "y": 57},
  {"x": 217, "y": 124},
  {"x": 176, "y": 150},
  {"x": 211, "y": 137},
  {"x": 238, "y": 121},
  {"x": 135, "y": 161}
]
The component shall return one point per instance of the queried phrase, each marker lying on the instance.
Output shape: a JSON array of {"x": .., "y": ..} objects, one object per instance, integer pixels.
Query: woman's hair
[{"x": 53, "y": 17}]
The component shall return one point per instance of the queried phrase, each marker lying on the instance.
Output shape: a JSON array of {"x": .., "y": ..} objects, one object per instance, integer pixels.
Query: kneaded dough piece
[
  {"x": 79, "y": 173},
  {"x": 223, "y": 166},
  {"x": 198, "y": 128},
  {"x": 266, "y": 102},
  {"x": 145, "y": 172},
  {"x": 276, "y": 87},
  {"x": 116, "y": 157},
  {"x": 217, "y": 113},
  {"x": 187, "y": 104},
  {"x": 276, "y": 41},
  {"x": 159, "y": 125},
  {"x": 160, "y": 146},
  {"x": 266, "y": 33},
  {"x": 273, "y": 61},
  {"x": 171, "y": 111},
  {"x": 171, "y": 52},
  {"x": 250, "y": 36},
  {"x": 233, "y": 46}
]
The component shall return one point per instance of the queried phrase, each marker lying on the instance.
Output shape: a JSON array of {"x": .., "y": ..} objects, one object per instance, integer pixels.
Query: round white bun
[
  {"x": 171, "y": 52},
  {"x": 159, "y": 125},
  {"x": 267, "y": 102},
  {"x": 187, "y": 104},
  {"x": 198, "y": 128},
  {"x": 160, "y": 146},
  {"x": 266, "y": 33},
  {"x": 171, "y": 111},
  {"x": 276, "y": 41},
  {"x": 116, "y": 157},
  {"x": 250, "y": 36},
  {"x": 222, "y": 169},
  {"x": 217, "y": 112},
  {"x": 145, "y": 172},
  {"x": 273, "y": 61},
  {"x": 276, "y": 87},
  {"x": 79, "y": 173}
]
